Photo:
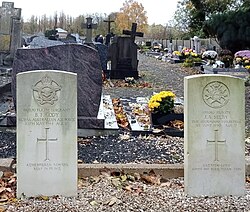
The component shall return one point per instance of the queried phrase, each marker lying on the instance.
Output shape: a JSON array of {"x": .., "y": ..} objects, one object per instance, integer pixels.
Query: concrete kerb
[
  {"x": 164, "y": 170},
  {"x": 87, "y": 170}
]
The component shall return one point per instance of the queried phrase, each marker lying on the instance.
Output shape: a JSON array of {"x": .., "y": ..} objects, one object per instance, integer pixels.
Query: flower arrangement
[
  {"x": 162, "y": 102},
  {"x": 243, "y": 53},
  {"x": 177, "y": 53},
  {"x": 191, "y": 57},
  {"x": 242, "y": 58},
  {"x": 210, "y": 55},
  {"x": 226, "y": 56},
  {"x": 186, "y": 51}
]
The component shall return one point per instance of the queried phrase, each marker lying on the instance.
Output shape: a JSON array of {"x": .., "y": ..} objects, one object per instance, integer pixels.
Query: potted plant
[
  {"x": 242, "y": 58},
  {"x": 161, "y": 106},
  {"x": 226, "y": 56},
  {"x": 192, "y": 59},
  {"x": 209, "y": 56}
]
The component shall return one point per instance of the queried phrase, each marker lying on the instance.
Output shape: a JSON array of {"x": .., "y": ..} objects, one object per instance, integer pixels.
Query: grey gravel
[{"x": 104, "y": 196}]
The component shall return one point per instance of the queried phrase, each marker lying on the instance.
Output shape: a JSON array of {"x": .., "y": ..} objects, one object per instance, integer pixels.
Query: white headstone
[
  {"x": 214, "y": 147},
  {"x": 46, "y": 133}
]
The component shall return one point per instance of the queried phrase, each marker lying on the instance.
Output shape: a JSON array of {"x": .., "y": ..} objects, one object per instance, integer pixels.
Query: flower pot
[
  {"x": 227, "y": 64},
  {"x": 159, "y": 119},
  {"x": 162, "y": 119}
]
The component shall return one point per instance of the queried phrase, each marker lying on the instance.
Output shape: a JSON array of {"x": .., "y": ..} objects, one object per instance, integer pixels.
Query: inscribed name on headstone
[
  {"x": 214, "y": 147},
  {"x": 46, "y": 133}
]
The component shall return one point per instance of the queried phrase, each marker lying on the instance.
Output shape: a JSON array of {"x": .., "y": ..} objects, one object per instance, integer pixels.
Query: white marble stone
[
  {"x": 109, "y": 113},
  {"x": 46, "y": 133},
  {"x": 214, "y": 133}
]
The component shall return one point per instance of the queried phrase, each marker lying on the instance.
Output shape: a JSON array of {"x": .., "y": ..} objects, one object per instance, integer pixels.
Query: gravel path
[
  {"x": 166, "y": 76},
  {"x": 162, "y": 76}
]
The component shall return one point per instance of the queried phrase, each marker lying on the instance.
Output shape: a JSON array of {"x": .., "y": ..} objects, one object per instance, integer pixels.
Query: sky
[{"x": 158, "y": 11}]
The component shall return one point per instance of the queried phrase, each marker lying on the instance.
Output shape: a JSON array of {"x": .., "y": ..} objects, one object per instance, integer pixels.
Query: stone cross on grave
[
  {"x": 133, "y": 32},
  {"x": 109, "y": 23},
  {"x": 89, "y": 26},
  {"x": 46, "y": 140},
  {"x": 216, "y": 142},
  {"x": 8, "y": 14}
]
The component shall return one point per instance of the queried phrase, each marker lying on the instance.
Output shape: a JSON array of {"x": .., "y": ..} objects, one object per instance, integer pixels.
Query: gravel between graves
[{"x": 101, "y": 194}]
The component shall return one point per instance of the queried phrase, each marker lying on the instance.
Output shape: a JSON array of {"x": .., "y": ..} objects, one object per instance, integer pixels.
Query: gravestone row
[{"x": 47, "y": 126}]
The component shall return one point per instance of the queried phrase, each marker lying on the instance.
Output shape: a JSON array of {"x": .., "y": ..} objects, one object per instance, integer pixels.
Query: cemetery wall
[{"x": 205, "y": 43}]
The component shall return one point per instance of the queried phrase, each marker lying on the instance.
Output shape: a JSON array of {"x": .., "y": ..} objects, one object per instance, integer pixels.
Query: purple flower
[{"x": 243, "y": 53}]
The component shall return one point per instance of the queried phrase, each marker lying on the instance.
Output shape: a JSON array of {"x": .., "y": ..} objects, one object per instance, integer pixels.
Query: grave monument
[
  {"x": 10, "y": 32},
  {"x": 214, "y": 135},
  {"x": 46, "y": 133},
  {"x": 89, "y": 26},
  {"x": 81, "y": 59},
  {"x": 123, "y": 55}
]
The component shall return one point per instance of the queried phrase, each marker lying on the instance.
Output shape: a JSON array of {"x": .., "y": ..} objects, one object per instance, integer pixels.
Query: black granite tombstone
[
  {"x": 123, "y": 55},
  {"x": 80, "y": 59},
  {"x": 103, "y": 53}
]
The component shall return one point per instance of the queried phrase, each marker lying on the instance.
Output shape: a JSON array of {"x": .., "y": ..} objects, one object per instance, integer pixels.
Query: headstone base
[
  {"x": 123, "y": 73},
  {"x": 8, "y": 120},
  {"x": 90, "y": 123}
]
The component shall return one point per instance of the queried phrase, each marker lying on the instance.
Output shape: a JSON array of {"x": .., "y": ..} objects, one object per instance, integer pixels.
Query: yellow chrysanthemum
[
  {"x": 177, "y": 53},
  {"x": 194, "y": 54},
  {"x": 238, "y": 59},
  {"x": 160, "y": 100}
]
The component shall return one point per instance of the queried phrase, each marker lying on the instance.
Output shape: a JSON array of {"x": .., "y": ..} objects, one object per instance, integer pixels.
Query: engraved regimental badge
[
  {"x": 45, "y": 91},
  {"x": 216, "y": 94}
]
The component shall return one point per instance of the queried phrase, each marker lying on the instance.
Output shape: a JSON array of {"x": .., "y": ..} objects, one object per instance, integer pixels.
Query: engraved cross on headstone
[
  {"x": 89, "y": 26},
  {"x": 133, "y": 32},
  {"x": 46, "y": 140},
  {"x": 7, "y": 14},
  {"x": 216, "y": 142}
]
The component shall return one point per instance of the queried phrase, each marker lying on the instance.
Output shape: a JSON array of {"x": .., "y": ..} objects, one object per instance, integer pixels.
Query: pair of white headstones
[{"x": 214, "y": 146}]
